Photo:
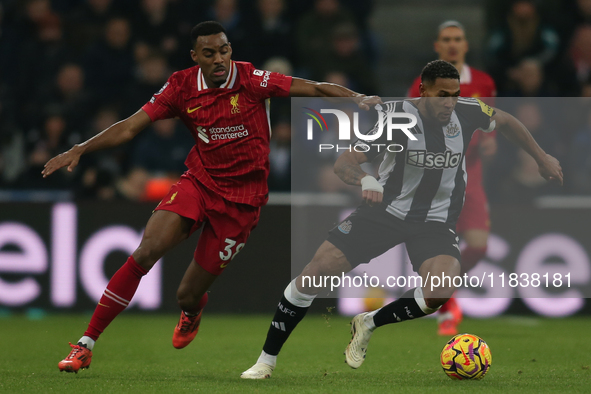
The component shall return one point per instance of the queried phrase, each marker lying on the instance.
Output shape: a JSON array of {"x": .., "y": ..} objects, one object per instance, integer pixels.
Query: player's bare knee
[
  {"x": 329, "y": 260},
  {"x": 148, "y": 253}
]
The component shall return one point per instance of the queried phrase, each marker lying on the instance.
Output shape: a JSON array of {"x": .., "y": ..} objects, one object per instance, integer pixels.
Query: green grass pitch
[{"x": 135, "y": 355}]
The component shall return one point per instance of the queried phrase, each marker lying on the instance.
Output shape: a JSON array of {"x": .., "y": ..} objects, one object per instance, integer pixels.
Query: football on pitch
[{"x": 466, "y": 356}]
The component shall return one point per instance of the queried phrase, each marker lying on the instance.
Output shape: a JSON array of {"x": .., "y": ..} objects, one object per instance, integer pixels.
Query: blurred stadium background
[{"x": 70, "y": 68}]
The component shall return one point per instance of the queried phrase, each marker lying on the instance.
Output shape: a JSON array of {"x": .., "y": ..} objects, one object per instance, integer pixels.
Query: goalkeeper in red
[{"x": 224, "y": 105}]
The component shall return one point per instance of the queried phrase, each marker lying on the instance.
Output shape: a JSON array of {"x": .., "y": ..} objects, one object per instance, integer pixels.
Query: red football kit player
[
  {"x": 474, "y": 221},
  {"x": 224, "y": 105},
  {"x": 228, "y": 167}
]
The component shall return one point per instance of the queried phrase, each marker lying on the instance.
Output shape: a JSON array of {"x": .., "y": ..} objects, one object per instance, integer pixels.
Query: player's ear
[
  {"x": 421, "y": 90},
  {"x": 194, "y": 56}
]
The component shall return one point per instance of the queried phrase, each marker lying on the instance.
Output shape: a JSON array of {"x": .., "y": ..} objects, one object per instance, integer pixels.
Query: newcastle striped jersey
[{"x": 426, "y": 181}]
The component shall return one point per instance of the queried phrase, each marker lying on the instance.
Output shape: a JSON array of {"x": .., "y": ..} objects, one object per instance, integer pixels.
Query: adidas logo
[{"x": 278, "y": 325}]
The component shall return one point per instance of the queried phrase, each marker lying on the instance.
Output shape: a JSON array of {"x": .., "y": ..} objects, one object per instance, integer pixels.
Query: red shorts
[
  {"x": 226, "y": 224},
  {"x": 474, "y": 215}
]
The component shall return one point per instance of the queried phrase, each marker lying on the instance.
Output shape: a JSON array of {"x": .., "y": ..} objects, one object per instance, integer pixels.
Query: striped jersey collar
[{"x": 229, "y": 84}]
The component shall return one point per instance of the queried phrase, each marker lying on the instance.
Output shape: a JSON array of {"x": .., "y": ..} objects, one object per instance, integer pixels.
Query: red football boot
[
  {"x": 79, "y": 358},
  {"x": 186, "y": 330},
  {"x": 450, "y": 316}
]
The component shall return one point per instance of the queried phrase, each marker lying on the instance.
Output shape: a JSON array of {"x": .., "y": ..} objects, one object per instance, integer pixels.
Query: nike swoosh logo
[
  {"x": 106, "y": 306},
  {"x": 190, "y": 111},
  {"x": 224, "y": 265}
]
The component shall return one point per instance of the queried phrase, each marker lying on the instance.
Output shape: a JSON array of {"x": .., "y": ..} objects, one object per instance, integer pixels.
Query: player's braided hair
[
  {"x": 206, "y": 28},
  {"x": 438, "y": 69}
]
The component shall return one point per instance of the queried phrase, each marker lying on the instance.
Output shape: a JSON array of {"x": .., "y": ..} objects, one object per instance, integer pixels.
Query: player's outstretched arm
[
  {"x": 516, "y": 132},
  {"x": 348, "y": 168},
  {"x": 117, "y": 134},
  {"x": 306, "y": 88}
]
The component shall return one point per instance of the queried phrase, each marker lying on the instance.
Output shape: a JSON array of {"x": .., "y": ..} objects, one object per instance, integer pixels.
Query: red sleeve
[
  {"x": 162, "y": 104},
  {"x": 265, "y": 84},
  {"x": 493, "y": 87},
  {"x": 414, "y": 89}
]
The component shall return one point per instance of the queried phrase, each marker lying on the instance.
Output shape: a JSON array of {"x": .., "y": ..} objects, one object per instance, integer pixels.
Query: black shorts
[{"x": 371, "y": 231}]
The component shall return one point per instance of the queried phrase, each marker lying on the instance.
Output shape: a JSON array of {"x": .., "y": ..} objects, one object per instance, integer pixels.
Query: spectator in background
[
  {"x": 528, "y": 80},
  {"x": 133, "y": 186},
  {"x": 280, "y": 157},
  {"x": 86, "y": 23},
  {"x": 67, "y": 97},
  {"x": 52, "y": 141},
  {"x": 272, "y": 31},
  {"x": 161, "y": 154},
  {"x": 12, "y": 142},
  {"x": 228, "y": 14},
  {"x": 279, "y": 65},
  {"x": 580, "y": 159},
  {"x": 522, "y": 37},
  {"x": 315, "y": 30},
  {"x": 584, "y": 12},
  {"x": 39, "y": 61},
  {"x": 574, "y": 14},
  {"x": 110, "y": 63},
  {"x": 152, "y": 73},
  {"x": 586, "y": 88},
  {"x": 361, "y": 11},
  {"x": 163, "y": 149},
  {"x": 344, "y": 56},
  {"x": 580, "y": 52},
  {"x": 31, "y": 16},
  {"x": 155, "y": 27},
  {"x": 97, "y": 183},
  {"x": 96, "y": 176}
]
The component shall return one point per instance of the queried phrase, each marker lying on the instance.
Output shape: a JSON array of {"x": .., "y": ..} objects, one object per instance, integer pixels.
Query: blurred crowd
[{"x": 71, "y": 68}]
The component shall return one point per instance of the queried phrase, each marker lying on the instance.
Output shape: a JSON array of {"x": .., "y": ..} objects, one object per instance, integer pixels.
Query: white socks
[
  {"x": 296, "y": 297},
  {"x": 368, "y": 319},
  {"x": 88, "y": 341},
  {"x": 421, "y": 302},
  {"x": 267, "y": 359}
]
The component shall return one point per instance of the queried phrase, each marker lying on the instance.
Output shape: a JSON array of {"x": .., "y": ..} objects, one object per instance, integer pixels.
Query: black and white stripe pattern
[
  {"x": 278, "y": 325},
  {"x": 427, "y": 180}
]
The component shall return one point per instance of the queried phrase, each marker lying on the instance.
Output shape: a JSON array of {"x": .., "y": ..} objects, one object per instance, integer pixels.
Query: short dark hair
[
  {"x": 439, "y": 69},
  {"x": 206, "y": 28}
]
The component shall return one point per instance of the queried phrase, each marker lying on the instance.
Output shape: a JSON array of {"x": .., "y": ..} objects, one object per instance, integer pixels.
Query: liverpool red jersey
[
  {"x": 473, "y": 83},
  {"x": 230, "y": 125}
]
